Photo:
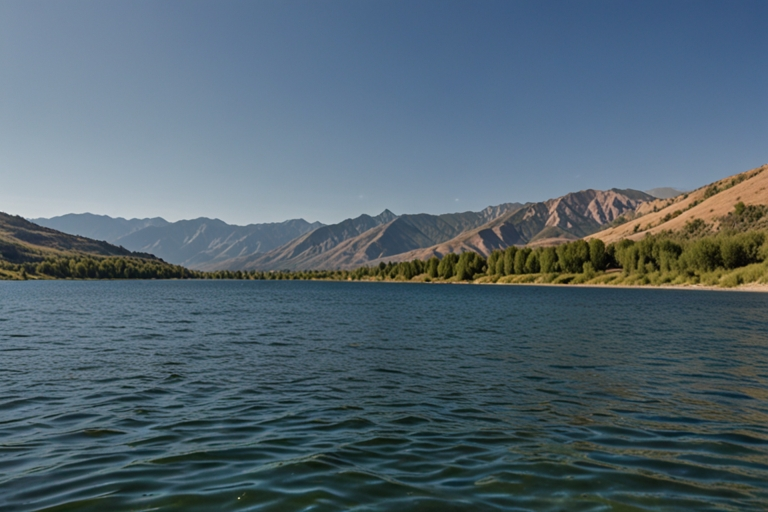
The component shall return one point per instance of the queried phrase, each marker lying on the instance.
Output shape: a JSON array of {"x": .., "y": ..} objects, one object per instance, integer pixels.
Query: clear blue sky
[{"x": 260, "y": 111}]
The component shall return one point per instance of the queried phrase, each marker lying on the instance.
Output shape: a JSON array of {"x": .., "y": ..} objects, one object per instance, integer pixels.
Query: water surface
[{"x": 359, "y": 396}]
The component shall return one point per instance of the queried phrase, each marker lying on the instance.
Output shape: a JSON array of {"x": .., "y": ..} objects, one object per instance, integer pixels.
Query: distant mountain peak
[
  {"x": 664, "y": 192},
  {"x": 385, "y": 216}
]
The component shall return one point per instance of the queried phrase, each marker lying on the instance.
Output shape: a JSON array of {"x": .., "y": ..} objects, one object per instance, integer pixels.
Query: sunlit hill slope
[{"x": 705, "y": 206}]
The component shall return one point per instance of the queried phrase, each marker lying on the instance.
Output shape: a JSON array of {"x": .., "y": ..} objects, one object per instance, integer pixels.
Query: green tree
[
  {"x": 432, "y": 265},
  {"x": 500, "y": 265},
  {"x": 548, "y": 260},
  {"x": 447, "y": 266},
  {"x": 532, "y": 265},
  {"x": 492, "y": 259},
  {"x": 520, "y": 258},
  {"x": 597, "y": 254},
  {"x": 469, "y": 264},
  {"x": 702, "y": 255},
  {"x": 509, "y": 260},
  {"x": 572, "y": 256}
]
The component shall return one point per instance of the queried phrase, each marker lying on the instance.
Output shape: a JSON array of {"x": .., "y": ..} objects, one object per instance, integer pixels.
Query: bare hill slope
[{"x": 707, "y": 204}]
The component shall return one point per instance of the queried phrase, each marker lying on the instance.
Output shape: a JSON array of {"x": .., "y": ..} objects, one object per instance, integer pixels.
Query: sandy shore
[{"x": 749, "y": 287}]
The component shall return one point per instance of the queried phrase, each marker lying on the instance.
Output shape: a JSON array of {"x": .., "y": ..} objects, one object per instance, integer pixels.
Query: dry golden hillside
[{"x": 708, "y": 203}]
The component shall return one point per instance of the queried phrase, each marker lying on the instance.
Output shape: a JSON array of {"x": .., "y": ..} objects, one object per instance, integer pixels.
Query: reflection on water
[{"x": 329, "y": 396}]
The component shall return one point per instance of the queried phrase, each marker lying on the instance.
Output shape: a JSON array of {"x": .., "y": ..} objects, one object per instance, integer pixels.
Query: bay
[{"x": 264, "y": 395}]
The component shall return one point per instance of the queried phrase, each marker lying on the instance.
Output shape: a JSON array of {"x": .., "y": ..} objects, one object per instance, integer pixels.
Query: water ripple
[{"x": 350, "y": 396}]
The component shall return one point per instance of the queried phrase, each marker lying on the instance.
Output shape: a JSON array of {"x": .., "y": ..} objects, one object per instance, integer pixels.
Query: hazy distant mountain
[
  {"x": 339, "y": 246},
  {"x": 664, "y": 192},
  {"x": 201, "y": 243},
  {"x": 192, "y": 243},
  {"x": 98, "y": 227},
  {"x": 554, "y": 221},
  {"x": 307, "y": 247}
]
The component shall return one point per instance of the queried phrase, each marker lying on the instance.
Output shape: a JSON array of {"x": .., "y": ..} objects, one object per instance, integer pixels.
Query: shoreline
[{"x": 747, "y": 287}]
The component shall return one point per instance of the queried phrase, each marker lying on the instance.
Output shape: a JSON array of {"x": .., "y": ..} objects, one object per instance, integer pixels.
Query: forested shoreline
[
  {"x": 725, "y": 259},
  {"x": 695, "y": 255}
]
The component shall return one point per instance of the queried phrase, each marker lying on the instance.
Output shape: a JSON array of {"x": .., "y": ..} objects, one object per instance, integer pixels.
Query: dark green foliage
[
  {"x": 113, "y": 267},
  {"x": 597, "y": 254},
  {"x": 711, "y": 191},
  {"x": 469, "y": 264},
  {"x": 447, "y": 266},
  {"x": 493, "y": 263},
  {"x": 695, "y": 228},
  {"x": 548, "y": 260},
  {"x": 405, "y": 271},
  {"x": 521, "y": 257},
  {"x": 532, "y": 265},
  {"x": 500, "y": 266},
  {"x": 432, "y": 265},
  {"x": 703, "y": 255},
  {"x": 665, "y": 253},
  {"x": 661, "y": 253},
  {"x": 509, "y": 260},
  {"x": 626, "y": 255},
  {"x": 572, "y": 256},
  {"x": 741, "y": 250},
  {"x": 744, "y": 217}
]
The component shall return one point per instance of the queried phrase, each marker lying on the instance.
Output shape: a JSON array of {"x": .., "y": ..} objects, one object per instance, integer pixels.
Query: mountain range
[
  {"x": 386, "y": 235},
  {"x": 211, "y": 244},
  {"x": 193, "y": 243},
  {"x": 551, "y": 222}
]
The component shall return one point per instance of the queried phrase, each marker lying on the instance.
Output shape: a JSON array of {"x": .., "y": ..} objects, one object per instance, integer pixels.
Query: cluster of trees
[
  {"x": 123, "y": 267},
  {"x": 745, "y": 218},
  {"x": 464, "y": 266},
  {"x": 112, "y": 267},
  {"x": 660, "y": 253},
  {"x": 665, "y": 254},
  {"x": 572, "y": 257}
]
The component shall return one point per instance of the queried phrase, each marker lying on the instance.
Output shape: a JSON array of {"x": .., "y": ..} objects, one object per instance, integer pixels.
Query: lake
[{"x": 291, "y": 395}]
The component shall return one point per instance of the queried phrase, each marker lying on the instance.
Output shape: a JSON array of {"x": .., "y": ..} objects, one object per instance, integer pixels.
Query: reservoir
[{"x": 295, "y": 395}]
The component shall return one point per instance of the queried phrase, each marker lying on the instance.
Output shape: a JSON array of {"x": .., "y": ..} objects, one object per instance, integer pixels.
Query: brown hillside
[{"x": 708, "y": 203}]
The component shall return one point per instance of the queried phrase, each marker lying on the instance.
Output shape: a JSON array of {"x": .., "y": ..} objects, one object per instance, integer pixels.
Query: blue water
[{"x": 360, "y": 396}]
